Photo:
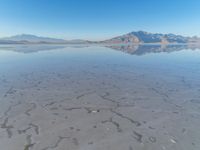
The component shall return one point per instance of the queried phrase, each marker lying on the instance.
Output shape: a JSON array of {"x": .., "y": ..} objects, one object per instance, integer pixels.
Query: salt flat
[{"x": 97, "y": 98}]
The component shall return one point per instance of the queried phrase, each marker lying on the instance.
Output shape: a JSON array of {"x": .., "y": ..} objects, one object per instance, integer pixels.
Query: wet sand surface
[{"x": 96, "y": 98}]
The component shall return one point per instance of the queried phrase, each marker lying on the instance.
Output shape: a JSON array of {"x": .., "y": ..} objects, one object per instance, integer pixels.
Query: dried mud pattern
[
  {"x": 117, "y": 125},
  {"x": 137, "y": 136},
  {"x": 7, "y": 127},
  {"x": 29, "y": 144},
  {"x": 33, "y": 106},
  {"x": 136, "y": 123},
  {"x": 11, "y": 91},
  {"x": 56, "y": 144},
  {"x": 10, "y": 108}
]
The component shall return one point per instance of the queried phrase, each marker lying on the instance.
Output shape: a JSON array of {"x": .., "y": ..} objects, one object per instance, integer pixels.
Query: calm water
[{"x": 124, "y": 97}]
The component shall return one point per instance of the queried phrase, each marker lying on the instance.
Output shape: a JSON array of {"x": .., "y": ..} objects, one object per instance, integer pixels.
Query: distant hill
[
  {"x": 146, "y": 37},
  {"x": 28, "y": 38},
  {"x": 32, "y": 39}
]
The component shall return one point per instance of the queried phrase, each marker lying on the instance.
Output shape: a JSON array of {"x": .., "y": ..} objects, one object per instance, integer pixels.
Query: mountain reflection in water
[
  {"x": 147, "y": 48},
  {"x": 130, "y": 49}
]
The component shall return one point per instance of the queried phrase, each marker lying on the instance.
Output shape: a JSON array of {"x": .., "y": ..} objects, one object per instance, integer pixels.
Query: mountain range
[
  {"x": 138, "y": 37},
  {"x": 146, "y": 37}
]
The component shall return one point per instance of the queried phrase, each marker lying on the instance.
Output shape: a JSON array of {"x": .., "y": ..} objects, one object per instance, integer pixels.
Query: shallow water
[{"x": 57, "y": 97}]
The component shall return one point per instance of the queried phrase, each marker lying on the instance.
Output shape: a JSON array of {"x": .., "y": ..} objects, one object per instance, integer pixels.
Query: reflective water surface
[{"x": 117, "y": 97}]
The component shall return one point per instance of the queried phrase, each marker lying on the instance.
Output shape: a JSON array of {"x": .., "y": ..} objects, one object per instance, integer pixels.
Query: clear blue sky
[{"x": 98, "y": 19}]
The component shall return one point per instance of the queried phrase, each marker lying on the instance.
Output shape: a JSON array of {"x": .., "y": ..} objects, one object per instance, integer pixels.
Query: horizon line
[{"x": 45, "y": 36}]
